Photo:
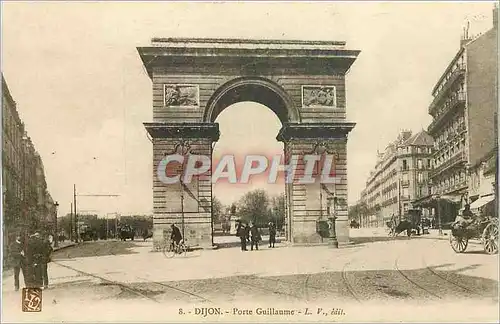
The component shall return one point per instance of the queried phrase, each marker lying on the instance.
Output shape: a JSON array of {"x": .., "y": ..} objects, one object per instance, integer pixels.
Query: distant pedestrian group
[
  {"x": 250, "y": 233},
  {"x": 31, "y": 257}
]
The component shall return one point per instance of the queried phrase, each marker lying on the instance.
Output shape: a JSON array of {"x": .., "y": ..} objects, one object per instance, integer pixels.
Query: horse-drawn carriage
[
  {"x": 410, "y": 222},
  {"x": 485, "y": 230}
]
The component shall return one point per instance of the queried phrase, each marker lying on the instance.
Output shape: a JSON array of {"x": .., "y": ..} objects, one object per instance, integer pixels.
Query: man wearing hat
[
  {"x": 466, "y": 219},
  {"x": 272, "y": 234},
  {"x": 18, "y": 261},
  {"x": 35, "y": 261}
]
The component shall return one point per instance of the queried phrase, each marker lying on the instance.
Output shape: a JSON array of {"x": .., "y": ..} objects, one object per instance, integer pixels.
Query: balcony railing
[
  {"x": 455, "y": 159},
  {"x": 449, "y": 106},
  {"x": 456, "y": 186},
  {"x": 455, "y": 75},
  {"x": 447, "y": 143}
]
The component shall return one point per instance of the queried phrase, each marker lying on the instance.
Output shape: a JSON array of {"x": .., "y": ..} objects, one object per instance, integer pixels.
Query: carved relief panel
[
  {"x": 318, "y": 96},
  {"x": 181, "y": 95}
]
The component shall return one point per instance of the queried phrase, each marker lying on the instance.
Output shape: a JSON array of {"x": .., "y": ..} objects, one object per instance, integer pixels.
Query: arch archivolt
[{"x": 257, "y": 89}]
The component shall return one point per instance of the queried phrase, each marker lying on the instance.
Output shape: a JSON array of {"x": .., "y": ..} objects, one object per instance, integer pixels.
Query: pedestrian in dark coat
[
  {"x": 34, "y": 258},
  {"x": 18, "y": 261},
  {"x": 247, "y": 232},
  {"x": 241, "y": 233},
  {"x": 272, "y": 234},
  {"x": 254, "y": 231},
  {"x": 46, "y": 250}
]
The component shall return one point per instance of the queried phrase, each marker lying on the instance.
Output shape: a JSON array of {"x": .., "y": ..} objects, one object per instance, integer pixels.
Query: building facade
[
  {"x": 25, "y": 194},
  {"x": 399, "y": 177},
  {"x": 463, "y": 127},
  {"x": 12, "y": 158}
]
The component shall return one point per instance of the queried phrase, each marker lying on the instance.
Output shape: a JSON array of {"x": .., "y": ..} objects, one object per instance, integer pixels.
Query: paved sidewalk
[
  {"x": 381, "y": 231},
  {"x": 434, "y": 234},
  {"x": 62, "y": 245},
  {"x": 227, "y": 241}
]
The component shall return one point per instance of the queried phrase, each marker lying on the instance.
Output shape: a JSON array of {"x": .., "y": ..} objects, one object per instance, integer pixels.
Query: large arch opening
[{"x": 250, "y": 114}]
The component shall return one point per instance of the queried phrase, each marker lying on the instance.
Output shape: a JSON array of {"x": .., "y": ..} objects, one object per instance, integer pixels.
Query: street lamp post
[
  {"x": 333, "y": 217},
  {"x": 321, "y": 149},
  {"x": 56, "y": 235},
  {"x": 184, "y": 150},
  {"x": 438, "y": 210}
]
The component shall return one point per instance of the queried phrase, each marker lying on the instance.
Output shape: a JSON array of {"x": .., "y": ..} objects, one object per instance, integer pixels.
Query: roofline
[
  {"x": 248, "y": 52},
  {"x": 202, "y": 48},
  {"x": 5, "y": 89},
  {"x": 448, "y": 68},
  {"x": 244, "y": 41},
  {"x": 462, "y": 49}
]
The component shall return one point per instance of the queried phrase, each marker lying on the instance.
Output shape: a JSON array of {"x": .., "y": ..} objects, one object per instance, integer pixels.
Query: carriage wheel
[
  {"x": 490, "y": 239},
  {"x": 458, "y": 243}
]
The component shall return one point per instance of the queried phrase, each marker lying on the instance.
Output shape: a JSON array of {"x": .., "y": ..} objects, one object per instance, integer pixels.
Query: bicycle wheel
[
  {"x": 182, "y": 250},
  {"x": 168, "y": 251}
]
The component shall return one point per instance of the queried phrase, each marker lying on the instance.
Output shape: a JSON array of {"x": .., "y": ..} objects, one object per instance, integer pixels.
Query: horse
[
  {"x": 146, "y": 235},
  {"x": 404, "y": 225}
]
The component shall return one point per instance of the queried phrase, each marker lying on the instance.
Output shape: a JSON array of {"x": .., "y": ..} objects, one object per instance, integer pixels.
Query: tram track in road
[
  {"x": 455, "y": 284},
  {"x": 185, "y": 292},
  {"x": 136, "y": 291},
  {"x": 413, "y": 282},
  {"x": 276, "y": 291},
  {"x": 346, "y": 282},
  {"x": 306, "y": 285},
  {"x": 110, "y": 282}
]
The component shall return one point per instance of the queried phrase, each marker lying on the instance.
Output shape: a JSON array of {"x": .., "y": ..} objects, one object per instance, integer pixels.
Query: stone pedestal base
[
  {"x": 196, "y": 235},
  {"x": 304, "y": 233}
]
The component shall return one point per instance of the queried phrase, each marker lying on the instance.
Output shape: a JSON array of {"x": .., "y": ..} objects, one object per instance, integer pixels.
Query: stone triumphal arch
[{"x": 303, "y": 82}]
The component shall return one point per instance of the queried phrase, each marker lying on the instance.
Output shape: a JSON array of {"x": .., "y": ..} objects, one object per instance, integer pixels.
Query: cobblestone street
[{"x": 126, "y": 276}]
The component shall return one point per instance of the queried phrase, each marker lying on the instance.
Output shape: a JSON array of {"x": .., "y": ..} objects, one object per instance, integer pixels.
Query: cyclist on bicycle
[{"x": 176, "y": 235}]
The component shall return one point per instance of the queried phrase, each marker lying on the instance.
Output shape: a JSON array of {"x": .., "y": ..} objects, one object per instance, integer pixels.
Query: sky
[{"x": 83, "y": 94}]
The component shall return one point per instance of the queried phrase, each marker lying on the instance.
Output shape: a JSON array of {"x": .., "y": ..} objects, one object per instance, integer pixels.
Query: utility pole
[
  {"x": 71, "y": 223},
  {"x": 77, "y": 238},
  {"x": 92, "y": 195},
  {"x": 116, "y": 226},
  {"x": 56, "y": 234}
]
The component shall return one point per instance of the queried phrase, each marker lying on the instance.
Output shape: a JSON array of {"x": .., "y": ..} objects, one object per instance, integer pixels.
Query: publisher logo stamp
[{"x": 32, "y": 300}]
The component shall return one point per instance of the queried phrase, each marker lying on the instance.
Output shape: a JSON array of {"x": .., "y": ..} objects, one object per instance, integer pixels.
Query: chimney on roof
[{"x": 465, "y": 37}]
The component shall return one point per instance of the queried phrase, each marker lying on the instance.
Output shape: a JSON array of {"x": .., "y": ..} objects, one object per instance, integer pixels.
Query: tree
[
  {"x": 217, "y": 208},
  {"x": 278, "y": 210},
  {"x": 254, "y": 206},
  {"x": 354, "y": 212}
]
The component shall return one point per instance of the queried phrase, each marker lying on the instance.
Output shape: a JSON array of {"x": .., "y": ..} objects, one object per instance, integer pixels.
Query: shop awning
[
  {"x": 482, "y": 201},
  {"x": 452, "y": 198}
]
